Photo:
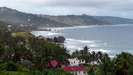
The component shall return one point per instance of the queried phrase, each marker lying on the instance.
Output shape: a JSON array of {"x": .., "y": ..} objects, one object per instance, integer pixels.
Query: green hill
[
  {"x": 117, "y": 20},
  {"x": 89, "y": 20},
  {"x": 16, "y": 18},
  {"x": 78, "y": 19}
]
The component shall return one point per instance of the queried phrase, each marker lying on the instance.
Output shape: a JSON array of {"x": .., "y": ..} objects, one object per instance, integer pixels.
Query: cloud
[
  {"x": 90, "y": 7},
  {"x": 118, "y": 5}
]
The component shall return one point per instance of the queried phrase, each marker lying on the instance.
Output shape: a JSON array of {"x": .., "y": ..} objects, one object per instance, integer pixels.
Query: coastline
[
  {"x": 71, "y": 41},
  {"x": 80, "y": 26}
]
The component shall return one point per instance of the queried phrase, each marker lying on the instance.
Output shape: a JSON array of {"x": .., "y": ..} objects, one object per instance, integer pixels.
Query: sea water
[{"x": 112, "y": 39}]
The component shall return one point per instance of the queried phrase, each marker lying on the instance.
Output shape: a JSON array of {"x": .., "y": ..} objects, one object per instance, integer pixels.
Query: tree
[
  {"x": 93, "y": 70},
  {"x": 84, "y": 54},
  {"x": 106, "y": 65},
  {"x": 21, "y": 53},
  {"x": 124, "y": 64},
  {"x": 42, "y": 56},
  {"x": 100, "y": 55},
  {"x": 86, "y": 50},
  {"x": 75, "y": 54},
  {"x": 94, "y": 57}
]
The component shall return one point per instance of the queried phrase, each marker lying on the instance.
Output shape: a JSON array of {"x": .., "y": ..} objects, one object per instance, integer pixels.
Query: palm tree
[
  {"x": 94, "y": 56},
  {"x": 8, "y": 55},
  {"x": 75, "y": 54},
  {"x": 124, "y": 64},
  {"x": 26, "y": 54},
  {"x": 42, "y": 57},
  {"x": 86, "y": 50},
  {"x": 100, "y": 55},
  {"x": 84, "y": 55},
  {"x": 18, "y": 52},
  {"x": 93, "y": 70},
  {"x": 106, "y": 65}
]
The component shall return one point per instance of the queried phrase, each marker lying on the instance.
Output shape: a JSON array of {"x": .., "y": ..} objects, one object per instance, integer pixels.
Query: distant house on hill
[
  {"x": 21, "y": 25},
  {"x": 9, "y": 26}
]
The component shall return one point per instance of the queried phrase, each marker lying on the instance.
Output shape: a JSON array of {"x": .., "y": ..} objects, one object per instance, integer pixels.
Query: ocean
[{"x": 111, "y": 39}]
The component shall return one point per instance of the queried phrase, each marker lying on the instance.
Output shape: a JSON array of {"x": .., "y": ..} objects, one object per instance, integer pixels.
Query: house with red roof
[
  {"x": 76, "y": 70},
  {"x": 54, "y": 63}
]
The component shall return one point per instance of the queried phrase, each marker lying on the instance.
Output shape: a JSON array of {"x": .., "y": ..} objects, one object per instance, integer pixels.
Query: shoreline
[
  {"x": 100, "y": 49},
  {"x": 79, "y": 26}
]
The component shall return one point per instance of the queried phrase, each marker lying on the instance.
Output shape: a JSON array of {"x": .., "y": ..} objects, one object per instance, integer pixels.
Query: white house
[{"x": 73, "y": 62}]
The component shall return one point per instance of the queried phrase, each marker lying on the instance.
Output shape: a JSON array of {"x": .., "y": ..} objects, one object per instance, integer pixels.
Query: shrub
[
  {"x": 26, "y": 64},
  {"x": 12, "y": 73},
  {"x": 54, "y": 72},
  {"x": 3, "y": 66},
  {"x": 10, "y": 66}
]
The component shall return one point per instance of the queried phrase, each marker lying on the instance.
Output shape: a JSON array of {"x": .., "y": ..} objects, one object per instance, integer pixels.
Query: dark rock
[{"x": 60, "y": 39}]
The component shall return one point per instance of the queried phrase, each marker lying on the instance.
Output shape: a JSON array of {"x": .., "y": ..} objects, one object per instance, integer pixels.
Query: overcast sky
[{"x": 120, "y": 8}]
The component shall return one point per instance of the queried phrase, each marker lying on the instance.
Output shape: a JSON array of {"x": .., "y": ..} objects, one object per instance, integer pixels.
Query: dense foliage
[
  {"x": 99, "y": 63},
  {"x": 21, "y": 53},
  {"x": 28, "y": 50}
]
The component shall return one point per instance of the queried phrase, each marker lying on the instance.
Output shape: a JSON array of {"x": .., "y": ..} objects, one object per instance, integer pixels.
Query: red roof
[
  {"x": 53, "y": 63},
  {"x": 73, "y": 68}
]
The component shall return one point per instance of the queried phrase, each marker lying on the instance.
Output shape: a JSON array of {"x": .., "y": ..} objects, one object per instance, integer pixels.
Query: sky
[{"x": 118, "y": 8}]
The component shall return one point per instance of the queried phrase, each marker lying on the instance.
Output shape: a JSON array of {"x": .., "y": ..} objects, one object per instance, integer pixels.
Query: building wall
[
  {"x": 79, "y": 73},
  {"x": 74, "y": 62}
]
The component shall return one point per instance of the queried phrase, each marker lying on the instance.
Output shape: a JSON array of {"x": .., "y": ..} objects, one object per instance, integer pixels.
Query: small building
[
  {"x": 13, "y": 34},
  {"x": 21, "y": 25},
  {"x": 53, "y": 63},
  {"x": 73, "y": 62},
  {"x": 76, "y": 70},
  {"x": 9, "y": 26}
]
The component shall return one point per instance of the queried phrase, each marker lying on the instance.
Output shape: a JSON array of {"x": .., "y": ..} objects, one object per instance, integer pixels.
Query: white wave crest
[
  {"x": 45, "y": 33},
  {"x": 75, "y": 27},
  {"x": 73, "y": 44},
  {"x": 102, "y": 50},
  {"x": 79, "y": 41}
]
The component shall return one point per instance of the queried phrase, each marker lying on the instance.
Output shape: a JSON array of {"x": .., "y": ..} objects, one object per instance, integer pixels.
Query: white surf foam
[
  {"x": 45, "y": 33},
  {"x": 93, "y": 45},
  {"x": 53, "y": 29},
  {"x": 80, "y": 41},
  {"x": 102, "y": 50},
  {"x": 73, "y": 44}
]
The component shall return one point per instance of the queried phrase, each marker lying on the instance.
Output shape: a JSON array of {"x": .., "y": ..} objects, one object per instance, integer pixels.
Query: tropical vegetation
[
  {"x": 23, "y": 54},
  {"x": 26, "y": 51},
  {"x": 99, "y": 63}
]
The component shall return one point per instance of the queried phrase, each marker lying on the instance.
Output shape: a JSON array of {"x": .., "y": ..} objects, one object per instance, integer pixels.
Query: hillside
[
  {"x": 15, "y": 17},
  {"x": 89, "y": 20},
  {"x": 77, "y": 19},
  {"x": 21, "y": 20},
  {"x": 3, "y": 25},
  {"x": 117, "y": 20}
]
